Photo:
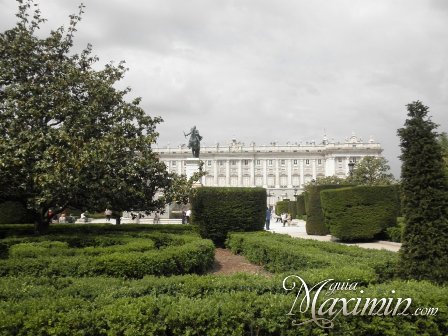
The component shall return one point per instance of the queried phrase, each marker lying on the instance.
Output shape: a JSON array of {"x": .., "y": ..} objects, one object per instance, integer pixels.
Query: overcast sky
[{"x": 271, "y": 70}]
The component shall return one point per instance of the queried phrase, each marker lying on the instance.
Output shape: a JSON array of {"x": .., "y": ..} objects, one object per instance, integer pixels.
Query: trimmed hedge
[
  {"x": 314, "y": 259},
  {"x": 217, "y": 211},
  {"x": 359, "y": 212},
  {"x": 300, "y": 202},
  {"x": 286, "y": 207},
  {"x": 130, "y": 257},
  {"x": 194, "y": 305},
  {"x": 315, "y": 220},
  {"x": 12, "y": 212},
  {"x": 281, "y": 207}
]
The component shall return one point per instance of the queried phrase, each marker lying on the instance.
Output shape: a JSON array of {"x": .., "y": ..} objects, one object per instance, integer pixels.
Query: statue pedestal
[{"x": 191, "y": 167}]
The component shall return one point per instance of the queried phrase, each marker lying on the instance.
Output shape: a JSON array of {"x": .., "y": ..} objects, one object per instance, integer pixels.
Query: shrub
[
  {"x": 281, "y": 207},
  {"x": 282, "y": 253},
  {"x": 301, "y": 205},
  {"x": 12, "y": 212},
  {"x": 133, "y": 259},
  {"x": 359, "y": 212},
  {"x": 315, "y": 220},
  {"x": 217, "y": 211}
]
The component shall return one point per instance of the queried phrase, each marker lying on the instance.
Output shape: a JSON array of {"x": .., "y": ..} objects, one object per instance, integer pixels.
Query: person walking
[
  {"x": 108, "y": 214},
  {"x": 268, "y": 218},
  {"x": 187, "y": 216},
  {"x": 284, "y": 218}
]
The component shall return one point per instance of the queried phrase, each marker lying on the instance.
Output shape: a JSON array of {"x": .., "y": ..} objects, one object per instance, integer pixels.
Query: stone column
[
  {"x": 302, "y": 172},
  {"x": 289, "y": 171},
  {"x": 252, "y": 172},
  {"x": 277, "y": 173},
  {"x": 240, "y": 173},
  {"x": 265, "y": 172},
  {"x": 215, "y": 173},
  {"x": 227, "y": 172},
  {"x": 313, "y": 166}
]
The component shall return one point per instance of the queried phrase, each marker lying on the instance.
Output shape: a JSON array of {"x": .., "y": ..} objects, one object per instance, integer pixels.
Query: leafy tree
[
  {"x": 372, "y": 170},
  {"x": 443, "y": 140},
  {"x": 424, "y": 253},
  {"x": 69, "y": 138}
]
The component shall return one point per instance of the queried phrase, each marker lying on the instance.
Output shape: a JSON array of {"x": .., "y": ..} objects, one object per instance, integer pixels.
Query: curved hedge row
[
  {"x": 359, "y": 212},
  {"x": 166, "y": 254},
  {"x": 314, "y": 259},
  {"x": 194, "y": 305}
]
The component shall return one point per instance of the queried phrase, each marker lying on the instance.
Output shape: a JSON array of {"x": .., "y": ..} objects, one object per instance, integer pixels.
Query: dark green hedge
[
  {"x": 286, "y": 206},
  {"x": 217, "y": 211},
  {"x": 314, "y": 259},
  {"x": 119, "y": 256},
  {"x": 315, "y": 220},
  {"x": 300, "y": 202},
  {"x": 198, "y": 305},
  {"x": 281, "y": 207},
  {"x": 12, "y": 212},
  {"x": 360, "y": 212}
]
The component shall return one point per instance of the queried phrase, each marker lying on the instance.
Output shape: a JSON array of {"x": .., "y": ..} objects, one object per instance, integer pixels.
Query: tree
[
  {"x": 372, "y": 170},
  {"x": 443, "y": 140},
  {"x": 69, "y": 138},
  {"x": 424, "y": 253}
]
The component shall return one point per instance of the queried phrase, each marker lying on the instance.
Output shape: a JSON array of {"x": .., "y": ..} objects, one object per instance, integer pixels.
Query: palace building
[{"x": 282, "y": 169}]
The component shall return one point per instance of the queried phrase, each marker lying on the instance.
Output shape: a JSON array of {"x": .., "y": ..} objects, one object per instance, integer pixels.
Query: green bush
[
  {"x": 281, "y": 207},
  {"x": 12, "y": 212},
  {"x": 315, "y": 220},
  {"x": 300, "y": 202},
  {"x": 198, "y": 305},
  {"x": 395, "y": 233},
  {"x": 282, "y": 253},
  {"x": 359, "y": 212},
  {"x": 217, "y": 211},
  {"x": 165, "y": 254}
]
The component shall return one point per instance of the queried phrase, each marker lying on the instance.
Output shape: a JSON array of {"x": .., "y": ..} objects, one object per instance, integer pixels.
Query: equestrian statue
[{"x": 194, "y": 142}]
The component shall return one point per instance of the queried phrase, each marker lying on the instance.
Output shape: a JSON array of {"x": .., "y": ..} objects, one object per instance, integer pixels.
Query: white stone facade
[{"x": 282, "y": 169}]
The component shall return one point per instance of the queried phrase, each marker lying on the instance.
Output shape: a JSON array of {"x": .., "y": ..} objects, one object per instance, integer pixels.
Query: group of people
[{"x": 285, "y": 218}]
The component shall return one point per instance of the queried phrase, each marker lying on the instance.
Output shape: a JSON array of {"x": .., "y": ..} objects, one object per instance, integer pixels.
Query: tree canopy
[
  {"x": 372, "y": 170},
  {"x": 69, "y": 136}
]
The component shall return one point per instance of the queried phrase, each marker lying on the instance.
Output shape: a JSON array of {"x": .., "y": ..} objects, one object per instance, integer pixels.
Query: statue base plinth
[{"x": 191, "y": 167}]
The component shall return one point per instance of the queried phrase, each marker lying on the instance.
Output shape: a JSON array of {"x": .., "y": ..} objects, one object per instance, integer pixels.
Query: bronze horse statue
[{"x": 194, "y": 142}]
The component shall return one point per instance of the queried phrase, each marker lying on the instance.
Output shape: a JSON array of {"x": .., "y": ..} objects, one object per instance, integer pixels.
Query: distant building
[{"x": 282, "y": 169}]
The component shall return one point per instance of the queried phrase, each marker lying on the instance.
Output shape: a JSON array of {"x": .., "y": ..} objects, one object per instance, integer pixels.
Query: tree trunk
[
  {"x": 41, "y": 226},
  {"x": 117, "y": 220}
]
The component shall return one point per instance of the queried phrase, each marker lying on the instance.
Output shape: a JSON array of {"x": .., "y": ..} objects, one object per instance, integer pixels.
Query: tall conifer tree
[{"x": 424, "y": 254}]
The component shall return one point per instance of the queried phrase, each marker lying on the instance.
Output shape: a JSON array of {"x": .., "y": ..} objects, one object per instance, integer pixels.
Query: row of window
[
  {"x": 258, "y": 180},
  {"x": 257, "y": 162}
]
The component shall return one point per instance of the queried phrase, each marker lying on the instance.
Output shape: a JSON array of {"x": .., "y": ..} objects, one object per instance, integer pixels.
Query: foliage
[
  {"x": 424, "y": 253},
  {"x": 395, "y": 233},
  {"x": 13, "y": 213},
  {"x": 217, "y": 211},
  {"x": 315, "y": 220},
  {"x": 286, "y": 206},
  {"x": 69, "y": 137},
  {"x": 300, "y": 201},
  {"x": 372, "y": 170},
  {"x": 329, "y": 180},
  {"x": 443, "y": 140},
  {"x": 359, "y": 212},
  {"x": 114, "y": 255},
  {"x": 313, "y": 259}
]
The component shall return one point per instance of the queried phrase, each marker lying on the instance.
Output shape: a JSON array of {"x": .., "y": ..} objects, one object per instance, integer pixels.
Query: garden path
[{"x": 227, "y": 263}]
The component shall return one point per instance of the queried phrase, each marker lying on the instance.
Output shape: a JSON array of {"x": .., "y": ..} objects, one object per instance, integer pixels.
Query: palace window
[
  {"x": 282, "y": 162},
  {"x": 295, "y": 162},
  {"x": 319, "y": 161},
  {"x": 258, "y": 162},
  {"x": 269, "y": 162},
  {"x": 307, "y": 161},
  {"x": 209, "y": 163},
  {"x": 246, "y": 162}
]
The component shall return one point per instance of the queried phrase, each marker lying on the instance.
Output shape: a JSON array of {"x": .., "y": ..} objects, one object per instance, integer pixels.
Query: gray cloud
[{"x": 270, "y": 70}]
